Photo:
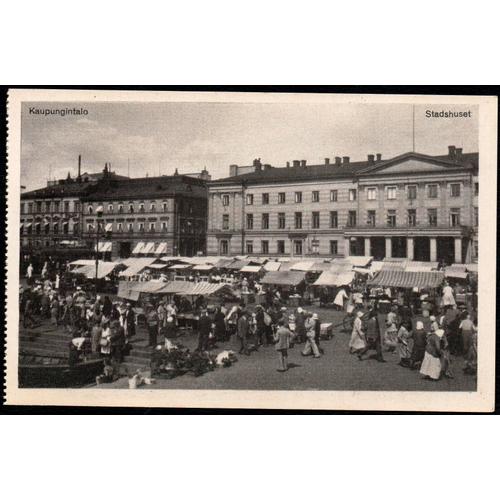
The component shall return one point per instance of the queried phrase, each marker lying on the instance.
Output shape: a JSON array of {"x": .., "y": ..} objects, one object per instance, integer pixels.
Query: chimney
[
  {"x": 338, "y": 160},
  {"x": 345, "y": 160},
  {"x": 257, "y": 164},
  {"x": 287, "y": 164},
  {"x": 371, "y": 159},
  {"x": 458, "y": 153},
  {"x": 233, "y": 170},
  {"x": 267, "y": 166},
  {"x": 296, "y": 163},
  {"x": 327, "y": 161},
  {"x": 379, "y": 157},
  {"x": 451, "y": 151},
  {"x": 302, "y": 163}
]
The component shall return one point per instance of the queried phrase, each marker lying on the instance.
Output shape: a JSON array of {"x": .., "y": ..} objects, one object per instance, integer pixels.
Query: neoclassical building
[{"x": 414, "y": 206}]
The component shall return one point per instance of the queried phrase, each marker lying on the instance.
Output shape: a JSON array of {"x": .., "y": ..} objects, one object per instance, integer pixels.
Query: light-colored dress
[
  {"x": 357, "y": 337},
  {"x": 405, "y": 343},
  {"x": 448, "y": 298},
  {"x": 391, "y": 331},
  {"x": 431, "y": 365},
  {"x": 339, "y": 298}
]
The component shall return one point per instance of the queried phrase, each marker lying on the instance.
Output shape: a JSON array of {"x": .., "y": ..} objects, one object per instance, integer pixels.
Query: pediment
[{"x": 412, "y": 166}]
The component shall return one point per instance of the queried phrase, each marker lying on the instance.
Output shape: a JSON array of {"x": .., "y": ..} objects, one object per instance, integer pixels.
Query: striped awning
[
  {"x": 138, "y": 247},
  {"x": 408, "y": 279},
  {"x": 161, "y": 248},
  {"x": 104, "y": 246},
  {"x": 108, "y": 227},
  {"x": 148, "y": 248}
]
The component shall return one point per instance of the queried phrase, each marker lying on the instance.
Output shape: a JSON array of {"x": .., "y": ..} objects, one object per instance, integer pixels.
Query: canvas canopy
[
  {"x": 304, "y": 265},
  {"x": 103, "y": 269},
  {"x": 288, "y": 278},
  {"x": 237, "y": 265},
  {"x": 251, "y": 269},
  {"x": 132, "y": 289},
  {"x": 393, "y": 264},
  {"x": 403, "y": 279},
  {"x": 190, "y": 288},
  {"x": 136, "y": 264},
  {"x": 157, "y": 266},
  {"x": 104, "y": 246},
  {"x": 82, "y": 262},
  {"x": 148, "y": 248},
  {"x": 176, "y": 267},
  {"x": 416, "y": 266},
  {"x": 359, "y": 261},
  {"x": 272, "y": 266},
  {"x": 161, "y": 248},
  {"x": 203, "y": 267},
  {"x": 223, "y": 263},
  {"x": 328, "y": 278}
]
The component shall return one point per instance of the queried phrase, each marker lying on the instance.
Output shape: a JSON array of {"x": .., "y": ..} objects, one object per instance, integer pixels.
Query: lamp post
[{"x": 99, "y": 212}]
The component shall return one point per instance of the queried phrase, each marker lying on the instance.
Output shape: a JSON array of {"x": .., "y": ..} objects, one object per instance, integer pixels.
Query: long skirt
[{"x": 431, "y": 366}]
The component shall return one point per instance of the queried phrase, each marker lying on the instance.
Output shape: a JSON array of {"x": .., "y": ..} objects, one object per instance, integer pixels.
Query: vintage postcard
[{"x": 251, "y": 250}]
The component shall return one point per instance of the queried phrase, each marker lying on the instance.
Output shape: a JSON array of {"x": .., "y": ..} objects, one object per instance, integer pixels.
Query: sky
[{"x": 157, "y": 138}]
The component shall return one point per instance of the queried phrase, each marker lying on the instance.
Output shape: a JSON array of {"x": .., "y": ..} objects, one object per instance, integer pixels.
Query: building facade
[
  {"x": 164, "y": 215},
  {"x": 415, "y": 206}
]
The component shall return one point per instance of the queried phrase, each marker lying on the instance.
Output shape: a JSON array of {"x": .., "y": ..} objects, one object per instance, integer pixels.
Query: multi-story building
[
  {"x": 415, "y": 206},
  {"x": 164, "y": 215}
]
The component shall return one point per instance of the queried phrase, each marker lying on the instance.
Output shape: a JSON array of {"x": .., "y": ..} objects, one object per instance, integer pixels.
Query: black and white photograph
[{"x": 245, "y": 244}]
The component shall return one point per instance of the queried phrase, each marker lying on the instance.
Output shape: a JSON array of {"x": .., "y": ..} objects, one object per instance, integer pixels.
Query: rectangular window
[
  {"x": 371, "y": 218},
  {"x": 455, "y": 190},
  {"x": 131, "y": 208},
  {"x": 334, "y": 247},
  {"x": 225, "y": 222},
  {"x": 119, "y": 227},
  {"x": 65, "y": 228},
  {"x": 315, "y": 220},
  {"x": 371, "y": 193},
  {"x": 249, "y": 199},
  {"x": 120, "y": 208},
  {"x": 47, "y": 206},
  {"x": 78, "y": 207},
  {"x": 56, "y": 206},
  {"x": 30, "y": 208},
  {"x": 249, "y": 246},
  {"x": 391, "y": 192},
  {"x": 432, "y": 191},
  {"x": 265, "y": 221},
  {"x": 432, "y": 216},
  {"x": 352, "y": 195},
  {"x": 476, "y": 188},
  {"x": 280, "y": 246},
  {"x": 297, "y": 247},
  {"x": 141, "y": 207},
  {"x": 351, "y": 218},
  {"x": 164, "y": 206},
  {"x": 281, "y": 220},
  {"x": 90, "y": 209},
  {"x": 22, "y": 208},
  {"x": 224, "y": 247},
  {"x": 76, "y": 228},
  {"x": 281, "y": 198},
  {"x": 131, "y": 227},
  {"x": 412, "y": 217},
  {"x": 476, "y": 249},
  {"x": 152, "y": 227},
  {"x": 66, "y": 206},
  {"x": 391, "y": 218},
  {"x": 152, "y": 207},
  {"x": 476, "y": 216},
  {"x": 90, "y": 228},
  {"x": 412, "y": 192},
  {"x": 225, "y": 200},
  {"x": 315, "y": 246},
  {"x": 333, "y": 195},
  {"x": 298, "y": 197},
  {"x": 315, "y": 196},
  {"x": 265, "y": 246},
  {"x": 249, "y": 221},
  {"x": 298, "y": 220},
  {"x": 265, "y": 198},
  {"x": 334, "y": 220},
  {"x": 454, "y": 217},
  {"x": 38, "y": 206},
  {"x": 141, "y": 227}
]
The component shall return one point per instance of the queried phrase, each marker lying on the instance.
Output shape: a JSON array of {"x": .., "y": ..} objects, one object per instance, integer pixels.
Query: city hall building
[{"x": 413, "y": 206}]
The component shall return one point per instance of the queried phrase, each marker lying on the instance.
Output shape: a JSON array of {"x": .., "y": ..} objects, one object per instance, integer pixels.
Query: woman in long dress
[
  {"x": 405, "y": 344},
  {"x": 448, "y": 298},
  {"x": 358, "y": 339},
  {"x": 391, "y": 331},
  {"x": 431, "y": 365}
]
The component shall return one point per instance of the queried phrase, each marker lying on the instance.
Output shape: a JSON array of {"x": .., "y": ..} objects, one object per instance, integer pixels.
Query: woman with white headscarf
[
  {"x": 358, "y": 340},
  {"x": 431, "y": 365}
]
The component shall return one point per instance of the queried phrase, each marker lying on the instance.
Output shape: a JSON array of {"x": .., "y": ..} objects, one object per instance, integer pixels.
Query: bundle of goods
[
  {"x": 175, "y": 360},
  {"x": 226, "y": 359}
]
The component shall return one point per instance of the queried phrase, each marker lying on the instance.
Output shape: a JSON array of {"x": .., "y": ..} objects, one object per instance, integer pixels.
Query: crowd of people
[{"x": 423, "y": 342}]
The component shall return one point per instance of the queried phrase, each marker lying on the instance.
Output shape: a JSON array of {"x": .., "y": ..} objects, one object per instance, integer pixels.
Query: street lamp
[{"x": 99, "y": 212}]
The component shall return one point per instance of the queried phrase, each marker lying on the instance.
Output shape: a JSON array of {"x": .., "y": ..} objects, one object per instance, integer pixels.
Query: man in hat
[
  {"x": 300, "y": 329},
  {"x": 311, "y": 346},
  {"x": 204, "y": 327},
  {"x": 242, "y": 330},
  {"x": 373, "y": 337},
  {"x": 129, "y": 321},
  {"x": 419, "y": 344},
  {"x": 260, "y": 326}
]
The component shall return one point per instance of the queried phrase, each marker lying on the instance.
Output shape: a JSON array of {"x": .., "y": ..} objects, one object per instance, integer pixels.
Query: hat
[
  {"x": 359, "y": 314},
  {"x": 283, "y": 308},
  {"x": 315, "y": 316},
  {"x": 439, "y": 332},
  {"x": 433, "y": 318},
  {"x": 419, "y": 325},
  {"x": 78, "y": 287},
  {"x": 300, "y": 310}
]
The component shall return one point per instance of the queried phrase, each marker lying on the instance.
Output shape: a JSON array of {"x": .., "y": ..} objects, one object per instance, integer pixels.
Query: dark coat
[{"x": 204, "y": 325}]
